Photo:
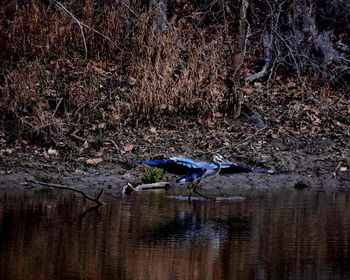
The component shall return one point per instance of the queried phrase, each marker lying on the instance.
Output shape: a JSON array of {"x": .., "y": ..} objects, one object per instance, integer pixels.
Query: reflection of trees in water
[{"x": 295, "y": 235}]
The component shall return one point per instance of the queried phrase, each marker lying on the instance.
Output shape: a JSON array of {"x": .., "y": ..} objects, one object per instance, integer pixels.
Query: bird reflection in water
[{"x": 185, "y": 230}]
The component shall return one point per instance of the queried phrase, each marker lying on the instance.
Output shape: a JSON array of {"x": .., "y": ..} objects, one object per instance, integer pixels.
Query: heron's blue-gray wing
[
  {"x": 234, "y": 167},
  {"x": 184, "y": 160},
  {"x": 174, "y": 165}
]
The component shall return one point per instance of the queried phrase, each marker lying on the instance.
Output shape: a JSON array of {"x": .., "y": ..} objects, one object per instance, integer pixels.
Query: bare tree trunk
[{"x": 239, "y": 51}]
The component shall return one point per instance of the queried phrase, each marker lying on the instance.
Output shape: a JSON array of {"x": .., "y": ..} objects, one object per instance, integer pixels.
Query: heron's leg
[
  {"x": 202, "y": 195},
  {"x": 191, "y": 187}
]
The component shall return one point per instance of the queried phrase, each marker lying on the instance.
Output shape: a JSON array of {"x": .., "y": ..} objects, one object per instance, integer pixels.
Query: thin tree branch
[
  {"x": 113, "y": 143},
  {"x": 253, "y": 135},
  {"x": 84, "y": 40},
  {"x": 74, "y": 135},
  {"x": 56, "y": 186},
  {"x": 291, "y": 52},
  {"x": 82, "y": 24},
  {"x": 131, "y": 10}
]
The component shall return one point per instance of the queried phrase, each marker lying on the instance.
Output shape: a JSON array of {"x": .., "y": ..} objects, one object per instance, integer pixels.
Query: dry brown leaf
[
  {"x": 101, "y": 125},
  {"x": 218, "y": 115},
  {"x": 6, "y": 151},
  {"x": 99, "y": 70},
  {"x": 94, "y": 161},
  {"x": 153, "y": 129},
  {"x": 52, "y": 152},
  {"x": 249, "y": 90},
  {"x": 128, "y": 148},
  {"x": 291, "y": 85}
]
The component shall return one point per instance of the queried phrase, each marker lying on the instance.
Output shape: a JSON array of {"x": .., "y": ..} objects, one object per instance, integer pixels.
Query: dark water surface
[{"x": 281, "y": 234}]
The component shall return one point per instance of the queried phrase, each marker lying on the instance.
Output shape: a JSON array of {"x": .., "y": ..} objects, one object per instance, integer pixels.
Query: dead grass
[
  {"x": 49, "y": 90},
  {"x": 170, "y": 80}
]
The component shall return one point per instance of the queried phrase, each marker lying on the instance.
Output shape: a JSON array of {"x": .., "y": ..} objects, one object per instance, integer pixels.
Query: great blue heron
[{"x": 196, "y": 171}]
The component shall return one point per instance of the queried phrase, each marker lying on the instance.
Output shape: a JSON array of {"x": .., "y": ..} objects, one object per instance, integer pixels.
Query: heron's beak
[{"x": 229, "y": 163}]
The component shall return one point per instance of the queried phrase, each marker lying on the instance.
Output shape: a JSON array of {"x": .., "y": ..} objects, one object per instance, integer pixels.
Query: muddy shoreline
[{"x": 312, "y": 172}]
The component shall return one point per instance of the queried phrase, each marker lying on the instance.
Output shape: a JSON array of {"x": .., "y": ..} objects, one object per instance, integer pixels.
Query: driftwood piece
[
  {"x": 56, "y": 186},
  {"x": 129, "y": 188},
  {"x": 154, "y": 186}
]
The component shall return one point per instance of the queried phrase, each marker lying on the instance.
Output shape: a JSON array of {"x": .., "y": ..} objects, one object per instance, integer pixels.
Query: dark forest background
[{"x": 77, "y": 69}]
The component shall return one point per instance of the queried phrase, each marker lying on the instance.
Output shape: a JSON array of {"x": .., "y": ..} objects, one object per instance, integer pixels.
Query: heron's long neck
[{"x": 218, "y": 167}]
